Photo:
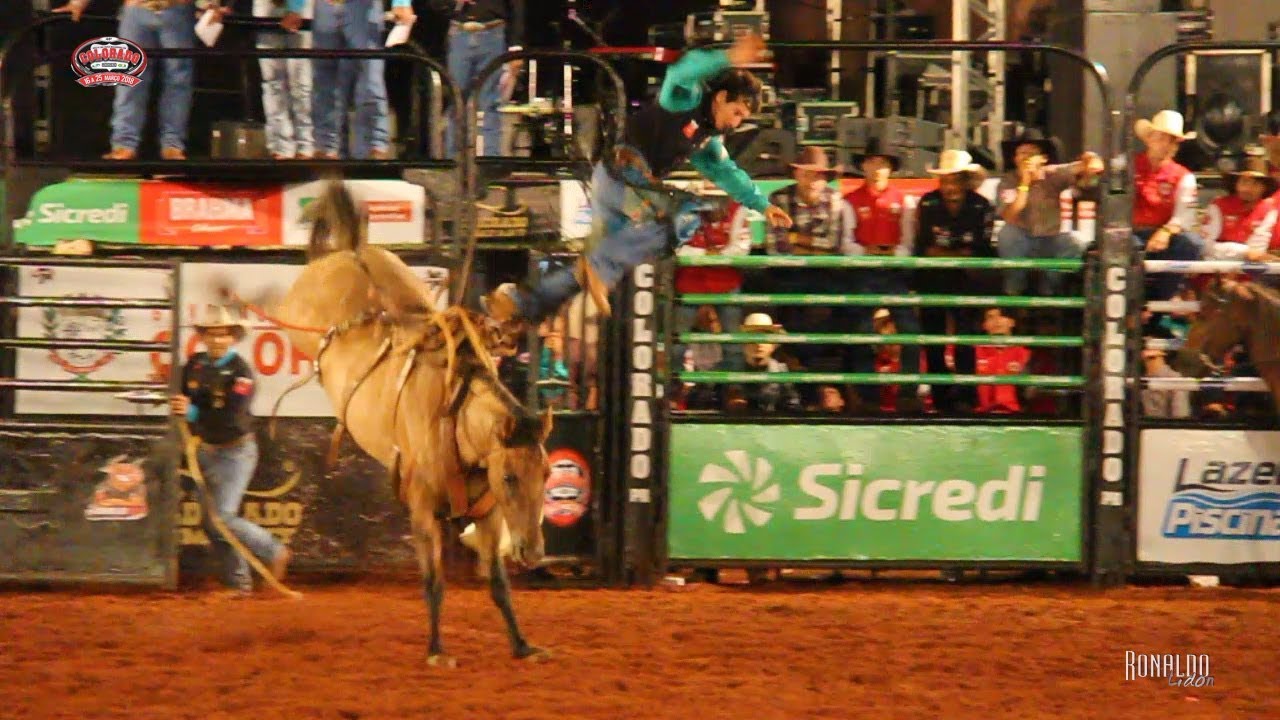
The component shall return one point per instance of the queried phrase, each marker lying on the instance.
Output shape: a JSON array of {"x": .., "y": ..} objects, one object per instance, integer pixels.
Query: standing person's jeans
[
  {"x": 1014, "y": 242},
  {"x": 173, "y": 27},
  {"x": 351, "y": 25},
  {"x": 228, "y": 470},
  {"x": 286, "y": 88},
  {"x": 1184, "y": 246},
  {"x": 468, "y": 53},
  {"x": 623, "y": 245}
]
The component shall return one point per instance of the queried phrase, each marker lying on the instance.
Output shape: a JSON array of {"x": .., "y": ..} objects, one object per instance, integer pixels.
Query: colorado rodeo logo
[
  {"x": 108, "y": 61},
  {"x": 82, "y": 324}
]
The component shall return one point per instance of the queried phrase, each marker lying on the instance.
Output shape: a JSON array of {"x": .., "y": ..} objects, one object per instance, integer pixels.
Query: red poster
[{"x": 210, "y": 214}]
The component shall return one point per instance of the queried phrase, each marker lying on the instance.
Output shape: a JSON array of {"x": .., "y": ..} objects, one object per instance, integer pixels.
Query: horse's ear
[{"x": 546, "y": 424}]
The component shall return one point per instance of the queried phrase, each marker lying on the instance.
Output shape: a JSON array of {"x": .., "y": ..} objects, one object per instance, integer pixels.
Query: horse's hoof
[
  {"x": 529, "y": 653},
  {"x": 442, "y": 661}
]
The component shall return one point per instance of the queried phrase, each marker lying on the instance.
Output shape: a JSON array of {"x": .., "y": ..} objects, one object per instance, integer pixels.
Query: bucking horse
[
  {"x": 1232, "y": 313},
  {"x": 417, "y": 389}
]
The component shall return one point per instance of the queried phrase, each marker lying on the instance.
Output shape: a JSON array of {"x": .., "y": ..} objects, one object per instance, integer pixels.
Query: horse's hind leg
[
  {"x": 426, "y": 536},
  {"x": 490, "y": 530}
]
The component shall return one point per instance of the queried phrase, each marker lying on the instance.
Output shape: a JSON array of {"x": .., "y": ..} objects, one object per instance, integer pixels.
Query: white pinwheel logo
[{"x": 745, "y": 494}]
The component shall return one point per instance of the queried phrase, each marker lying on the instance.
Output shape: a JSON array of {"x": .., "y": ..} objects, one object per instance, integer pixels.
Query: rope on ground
[{"x": 190, "y": 443}]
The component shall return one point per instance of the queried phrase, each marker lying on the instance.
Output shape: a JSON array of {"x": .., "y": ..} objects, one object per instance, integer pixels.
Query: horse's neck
[
  {"x": 1264, "y": 327},
  {"x": 480, "y": 419}
]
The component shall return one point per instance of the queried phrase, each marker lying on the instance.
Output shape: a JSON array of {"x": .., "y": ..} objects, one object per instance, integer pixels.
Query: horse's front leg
[
  {"x": 490, "y": 532},
  {"x": 426, "y": 534}
]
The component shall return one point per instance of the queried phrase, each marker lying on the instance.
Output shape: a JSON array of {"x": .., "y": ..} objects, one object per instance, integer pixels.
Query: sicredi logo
[
  {"x": 841, "y": 491},
  {"x": 60, "y": 214},
  {"x": 107, "y": 62},
  {"x": 1224, "y": 499}
]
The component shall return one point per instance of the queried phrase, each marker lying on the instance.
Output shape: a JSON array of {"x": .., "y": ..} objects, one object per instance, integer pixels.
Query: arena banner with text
[
  {"x": 105, "y": 211},
  {"x": 944, "y": 493},
  {"x": 204, "y": 214},
  {"x": 1209, "y": 496},
  {"x": 268, "y": 350},
  {"x": 396, "y": 209}
]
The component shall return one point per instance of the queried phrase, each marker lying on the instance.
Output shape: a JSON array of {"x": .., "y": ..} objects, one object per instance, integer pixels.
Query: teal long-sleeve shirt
[{"x": 682, "y": 90}]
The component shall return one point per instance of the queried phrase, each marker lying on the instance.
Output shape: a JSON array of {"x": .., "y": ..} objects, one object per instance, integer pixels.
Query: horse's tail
[{"x": 336, "y": 220}]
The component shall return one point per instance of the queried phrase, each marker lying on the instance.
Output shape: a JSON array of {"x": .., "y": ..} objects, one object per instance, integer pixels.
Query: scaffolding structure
[{"x": 967, "y": 125}]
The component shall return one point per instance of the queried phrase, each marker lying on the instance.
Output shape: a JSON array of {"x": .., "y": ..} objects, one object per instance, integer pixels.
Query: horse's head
[
  {"x": 1223, "y": 321},
  {"x": 517, "y": 478}
]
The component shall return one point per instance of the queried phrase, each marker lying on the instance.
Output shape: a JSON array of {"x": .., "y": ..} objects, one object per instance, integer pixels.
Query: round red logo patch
[{"x": 568, "y": 490}]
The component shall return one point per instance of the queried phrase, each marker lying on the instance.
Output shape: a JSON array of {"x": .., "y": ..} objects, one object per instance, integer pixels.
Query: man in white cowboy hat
[
  {"x": 1030, "y": 197},
  {"x": 1164, "y": 201},
  {"x": 763, "y": 397},
  {"x": 1243, "y": 220},
  {"x": 955, "y": 220},
  {"x": 881, "y": 226},
  {"x": 217, "y": 389}
]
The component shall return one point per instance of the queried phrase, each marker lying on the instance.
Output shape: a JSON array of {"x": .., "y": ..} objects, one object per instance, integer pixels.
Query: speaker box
[
  {"x": 1228, "y": 92},
  {"x": 762, "y": 151}
]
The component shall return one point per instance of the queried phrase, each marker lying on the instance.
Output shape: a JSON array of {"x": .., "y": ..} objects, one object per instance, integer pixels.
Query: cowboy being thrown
[{"x": 703, "y": 96}]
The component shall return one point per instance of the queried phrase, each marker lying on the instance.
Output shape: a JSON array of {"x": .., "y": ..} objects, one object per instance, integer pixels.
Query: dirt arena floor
[{"x": 866, "y": 649}]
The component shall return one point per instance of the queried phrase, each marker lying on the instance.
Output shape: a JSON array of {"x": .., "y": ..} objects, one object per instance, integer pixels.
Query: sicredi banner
[
  {"x": 396, "y": 210},
  {"x": 105, "y": 211},
  {"x": 781, "y": 492},
  {"x": 1209, "y": 496},
  {"x": 267, "y": 349}
]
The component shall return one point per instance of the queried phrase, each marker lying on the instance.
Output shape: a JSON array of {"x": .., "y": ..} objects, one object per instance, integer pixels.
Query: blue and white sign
[{"x": 1209, "y": 496}]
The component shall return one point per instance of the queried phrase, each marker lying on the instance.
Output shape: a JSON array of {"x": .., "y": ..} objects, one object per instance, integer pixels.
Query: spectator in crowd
[
  {"x": 822, "y": 224},
  {"x": 723, "y": 231},
  {"x": 702, "y": 356},
  {"x": 1030, "y": 198},
  {"x": 286, "y": 87},
  {"x": 1164, "y": 201},
  {"x": 479, "y": 31},
  {"x": 217, "y": 390},
  {"x": 553, "y": 374},
  {"x": 881, "y": 226},
  {"x": 953, "y": 221},
  {"x": 1269, "y": 138},
  {"x": 152, "y": 25},
  {"x": 1245, "y": 218},
  {"x": 349, "y": 25},
  {"x": 1162, "y": 403},
  {"x": 582, "y": 349},
  {"x": 999, "y": 360},
  {"x": 763, "y": 397},
  {"x": 888, "y": 358}
]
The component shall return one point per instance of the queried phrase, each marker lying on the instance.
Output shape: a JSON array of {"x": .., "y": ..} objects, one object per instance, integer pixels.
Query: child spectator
[
  {"x": 763, "y": 397},
  {"x": 999, "y": 360}
]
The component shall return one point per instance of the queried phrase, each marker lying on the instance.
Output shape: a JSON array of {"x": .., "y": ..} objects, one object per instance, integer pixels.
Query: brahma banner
[
  {"x": 267, "y": 349},
  {"x": 152, "y": 212},
  {"x": 1209, "y": 496}
]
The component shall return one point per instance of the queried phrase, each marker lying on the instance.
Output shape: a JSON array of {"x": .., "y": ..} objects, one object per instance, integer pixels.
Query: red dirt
[{"x": 881, "y": 650}]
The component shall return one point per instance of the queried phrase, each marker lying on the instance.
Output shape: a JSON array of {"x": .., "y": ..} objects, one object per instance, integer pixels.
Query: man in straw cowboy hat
[
  {"x": 217, "y": 389},
  {"x": 703, "y": 97},
  {"x": 881, "y": 226},
  {"x": 1030, "y": 204},
  {"x": 1243, "y": 219},
  {"x": 954, "y": 220},
  {"x": 1164, "y": 201}
]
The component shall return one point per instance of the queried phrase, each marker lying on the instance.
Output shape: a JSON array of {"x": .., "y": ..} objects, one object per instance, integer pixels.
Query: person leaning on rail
[
  {"x": 1164, "y": 201},
  {"x": 152, "y": 24},
  {"x": 954, "y": 220}
]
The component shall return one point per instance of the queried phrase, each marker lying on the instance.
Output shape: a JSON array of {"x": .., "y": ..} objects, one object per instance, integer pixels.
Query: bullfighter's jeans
[
  {"x": 353, "y": 25},
  {"x": 228, "y": 470},
  {"x": 173, "y": 27},
  {"x": 286, "y": 87}
]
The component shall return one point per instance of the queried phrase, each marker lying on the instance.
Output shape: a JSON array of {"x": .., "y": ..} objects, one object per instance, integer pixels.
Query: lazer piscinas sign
[{"x": 875, "y": 493}]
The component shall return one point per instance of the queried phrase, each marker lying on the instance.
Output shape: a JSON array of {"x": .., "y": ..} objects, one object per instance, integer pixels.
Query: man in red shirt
[
  {"x": 1244, "y": 218},
  {"x": 881, "y": 227},
  {"x": 1164, "y": 201}
]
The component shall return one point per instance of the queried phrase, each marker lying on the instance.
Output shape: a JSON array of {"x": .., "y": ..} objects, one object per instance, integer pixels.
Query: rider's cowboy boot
[{"x": 591, "y": 282}]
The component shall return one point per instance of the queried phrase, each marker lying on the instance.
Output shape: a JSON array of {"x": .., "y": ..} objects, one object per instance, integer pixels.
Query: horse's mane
[{"x": 337, "y": 223}]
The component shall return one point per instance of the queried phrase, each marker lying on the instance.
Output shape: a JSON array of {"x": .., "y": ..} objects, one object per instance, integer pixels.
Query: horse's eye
[{"x": 511, "y": 480}]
